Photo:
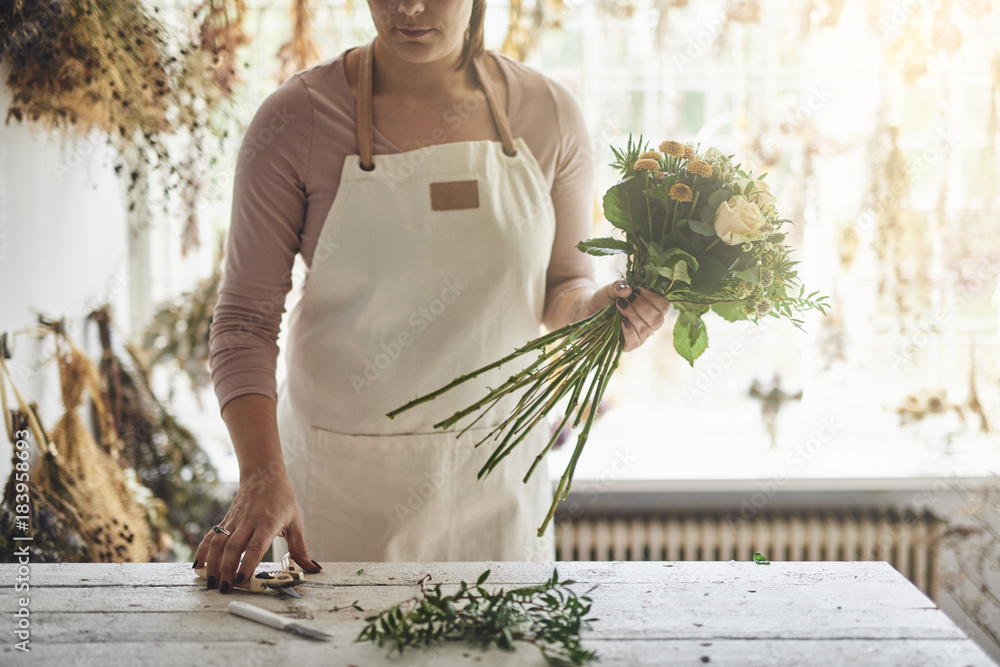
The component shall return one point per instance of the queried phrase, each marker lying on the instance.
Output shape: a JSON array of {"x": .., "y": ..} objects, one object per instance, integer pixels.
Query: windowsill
[{"x": 829, "y": 450}]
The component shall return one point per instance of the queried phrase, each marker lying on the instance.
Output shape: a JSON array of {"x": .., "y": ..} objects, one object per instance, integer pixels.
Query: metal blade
[
  {"x": 289, "y": 591},
  {"x": 308, "y": 633},
  {"x": 316, "y": 584},
  {"x": 285, "y": 588}
]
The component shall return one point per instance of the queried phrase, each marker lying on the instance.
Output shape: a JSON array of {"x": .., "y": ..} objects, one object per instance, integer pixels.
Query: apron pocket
[
  {"x": 384, "y": 497},
  {"x": 415, "y": 497}
]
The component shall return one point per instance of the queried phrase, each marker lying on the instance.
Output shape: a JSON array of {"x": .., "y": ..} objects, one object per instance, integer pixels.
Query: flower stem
[
  {"x": 607, "y": 365},
  {"x": 555, "y": 388},
  {"x": 535, "y": 344},
  {"x": 589, "y": 362},
  {"x": 512, "y": 384}
]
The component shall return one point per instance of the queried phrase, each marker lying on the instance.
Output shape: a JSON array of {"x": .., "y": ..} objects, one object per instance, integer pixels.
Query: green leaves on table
[
  {"x": 760, "y": 559},
  {"x": 549, "y": 616}
]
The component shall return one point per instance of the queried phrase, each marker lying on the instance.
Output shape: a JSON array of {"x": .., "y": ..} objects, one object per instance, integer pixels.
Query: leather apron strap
[
  {"x": 364, "y": 124},
  {"x": 499, "y": 115},
  {"x": 365, "y": 114}
]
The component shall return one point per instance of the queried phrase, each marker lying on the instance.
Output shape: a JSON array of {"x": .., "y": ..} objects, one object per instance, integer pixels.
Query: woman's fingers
[
  {"x": 643, "y": 312},
  {"x": 254, "y": 549},
  {"x": 297, "y": 548},
  {"x": 259, "y": 513},
  {"x": 213, "y": 560},
  {"x": 231, "y": 553},
  {"x": 201, "y": 554},
  {"x": 632, "y": 325},
  {"x": 658, "y": 303}
]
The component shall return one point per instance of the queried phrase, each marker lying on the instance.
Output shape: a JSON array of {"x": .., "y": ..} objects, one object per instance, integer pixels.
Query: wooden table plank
[
  {"x": 617, "y": 621},
  {"x": 376, "y": 574},
  {"x": 736, "y": 613},
  {"x": 676, "y": 653},
  {"x": 193, "y": 596}
]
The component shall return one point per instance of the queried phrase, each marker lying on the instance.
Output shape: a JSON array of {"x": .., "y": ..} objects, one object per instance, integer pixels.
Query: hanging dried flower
[
  {"x": 115, "y": 68},
  {"x": 300, "y": 51}
]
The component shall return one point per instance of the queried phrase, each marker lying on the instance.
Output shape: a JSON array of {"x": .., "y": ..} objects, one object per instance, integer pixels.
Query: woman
[{"x": 464, "y": 185}]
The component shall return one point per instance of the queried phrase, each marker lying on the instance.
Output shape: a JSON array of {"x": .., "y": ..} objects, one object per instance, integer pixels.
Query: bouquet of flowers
[{"x": 697, "y": 230}]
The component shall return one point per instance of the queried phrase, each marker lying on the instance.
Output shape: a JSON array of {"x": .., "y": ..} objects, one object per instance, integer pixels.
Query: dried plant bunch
[
  {"x": 167, "y": 457},
  {"x": 87, "y": 479},
  {"x": 114, "y": 67}
]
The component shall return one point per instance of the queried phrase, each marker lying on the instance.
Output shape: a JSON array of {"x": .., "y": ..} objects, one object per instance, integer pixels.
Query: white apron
[{"x": 429, "y": 265}]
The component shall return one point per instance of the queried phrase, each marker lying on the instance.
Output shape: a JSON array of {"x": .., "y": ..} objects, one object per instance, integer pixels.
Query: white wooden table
[{"x": 651, "y": 613}]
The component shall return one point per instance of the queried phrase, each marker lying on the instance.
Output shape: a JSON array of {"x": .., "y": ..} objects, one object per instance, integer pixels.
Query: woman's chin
[{"x": 422, "y": 50}]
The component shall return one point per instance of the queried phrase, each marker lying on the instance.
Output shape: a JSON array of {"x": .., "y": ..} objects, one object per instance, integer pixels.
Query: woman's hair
[{"x": 474, "y": 36}]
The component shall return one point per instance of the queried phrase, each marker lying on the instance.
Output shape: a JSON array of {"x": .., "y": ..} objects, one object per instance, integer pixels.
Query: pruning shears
[{"x": 282, "y": 581}]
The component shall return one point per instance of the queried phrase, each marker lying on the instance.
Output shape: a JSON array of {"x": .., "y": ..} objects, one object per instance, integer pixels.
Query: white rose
[
  {"x": 737, "y": 220},
  {"x": 712, "y": 152},
  {"x": 761, "y": 195}
]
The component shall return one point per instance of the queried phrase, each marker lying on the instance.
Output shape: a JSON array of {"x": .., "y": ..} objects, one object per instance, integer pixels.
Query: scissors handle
[
  {"x": 261, "y": 581},
  {"x": 292, "y": 568}
]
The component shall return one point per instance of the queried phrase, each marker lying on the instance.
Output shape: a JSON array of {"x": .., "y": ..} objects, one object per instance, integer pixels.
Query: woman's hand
[
  {"x": 642, "y": 310},
  {"x": 265, "y": 506}
]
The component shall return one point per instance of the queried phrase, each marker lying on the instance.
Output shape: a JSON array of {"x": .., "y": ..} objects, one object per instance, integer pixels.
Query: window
[{"x": 829, "y": 99}]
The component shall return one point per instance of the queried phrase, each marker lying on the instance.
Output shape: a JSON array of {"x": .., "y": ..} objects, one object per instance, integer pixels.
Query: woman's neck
[{"x": 395, "y": 76}]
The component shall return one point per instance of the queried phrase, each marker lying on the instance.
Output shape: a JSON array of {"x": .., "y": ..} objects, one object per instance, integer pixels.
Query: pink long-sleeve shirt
[{"x": 287, "y": 175}]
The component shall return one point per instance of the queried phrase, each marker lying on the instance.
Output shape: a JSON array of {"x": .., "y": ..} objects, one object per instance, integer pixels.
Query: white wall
[{"x": 63, "y": 247}]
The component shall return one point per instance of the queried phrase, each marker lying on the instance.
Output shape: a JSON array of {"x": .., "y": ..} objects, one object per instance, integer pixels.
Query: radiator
[{"x": 906, "y": 540}]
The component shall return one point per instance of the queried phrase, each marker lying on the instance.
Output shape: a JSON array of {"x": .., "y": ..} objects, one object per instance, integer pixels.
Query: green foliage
[
  {"x": 708, "y": 280},
  {"x": 548, "y": 616},
  {"x": 717, "y": 197},
  {"x": 730, "y": 311},
  {"x": 625, "y": 159},
  {"x": 751, "y": 275},
  {"x": 701, "y": 226},
  {"x": 760, "y": 559},
  {"x": 625, "y": 205},
  {"x": 604, "y": 246},
  {"x": 690, "y": 336}
]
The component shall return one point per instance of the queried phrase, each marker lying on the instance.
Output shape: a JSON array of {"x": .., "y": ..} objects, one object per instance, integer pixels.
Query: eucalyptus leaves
[
  {"x": 699, "y": 231},
  {"x": 548, "y": 616}
]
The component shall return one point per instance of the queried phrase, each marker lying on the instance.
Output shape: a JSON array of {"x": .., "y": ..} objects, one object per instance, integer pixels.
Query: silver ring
[{"x": 219, "y": 529}]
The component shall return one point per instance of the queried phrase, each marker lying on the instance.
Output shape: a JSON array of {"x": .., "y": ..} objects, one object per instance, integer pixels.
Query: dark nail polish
[
  {"x": 211, "y": 583},
  {"x": 632, "y": 297},
  {"x": 239, "y": 578},
  {"x": 622, "y": 302},
  {"x": 318, "y": 566},
  {"x": 628, "y": 325},
  {"x": 224, "y": 587},
  {"x": 194, "y": 565},
  {"x": 636, "y": 291}
]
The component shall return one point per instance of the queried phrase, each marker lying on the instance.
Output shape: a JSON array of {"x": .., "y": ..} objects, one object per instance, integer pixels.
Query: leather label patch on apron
[{"x": 454, "y": 196}]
